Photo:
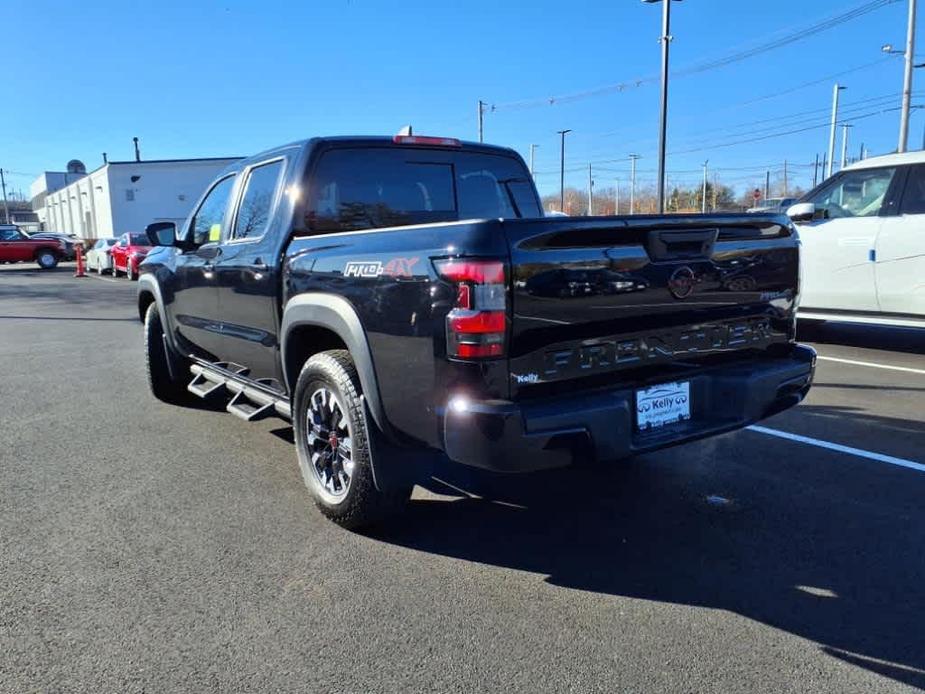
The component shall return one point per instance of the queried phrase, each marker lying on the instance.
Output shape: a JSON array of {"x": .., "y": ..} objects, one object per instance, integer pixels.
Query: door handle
[{"x": 259, "y": 265}]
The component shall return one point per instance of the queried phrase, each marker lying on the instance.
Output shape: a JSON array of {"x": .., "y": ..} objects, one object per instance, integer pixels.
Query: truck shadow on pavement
[{"x": 836, "y": 557}]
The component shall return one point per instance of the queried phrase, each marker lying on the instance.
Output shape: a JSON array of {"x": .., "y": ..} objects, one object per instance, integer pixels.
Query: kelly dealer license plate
[{"x": 663, "y": 404}]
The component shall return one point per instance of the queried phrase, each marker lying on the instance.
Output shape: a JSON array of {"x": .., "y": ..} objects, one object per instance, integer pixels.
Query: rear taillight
[{"x": 477, "y": 324}]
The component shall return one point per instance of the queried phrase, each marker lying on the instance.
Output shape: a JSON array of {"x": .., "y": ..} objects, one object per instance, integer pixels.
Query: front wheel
[
  {"x": 332, "y": 443},
  {"x": 165, "y": 370},
  {"x": 46, "y": 260},
  {"x": 130, "y": 272}
]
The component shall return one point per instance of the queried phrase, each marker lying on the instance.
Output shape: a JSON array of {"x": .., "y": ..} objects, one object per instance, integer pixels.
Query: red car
[
  {"x": 16, "y": 247},
  {"x": 130, "y": 250}
]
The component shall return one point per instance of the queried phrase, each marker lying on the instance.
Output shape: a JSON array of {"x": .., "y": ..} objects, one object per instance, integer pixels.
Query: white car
[
  {"x": 863, "y": 236},
  {"x": 99, "y": 258}
]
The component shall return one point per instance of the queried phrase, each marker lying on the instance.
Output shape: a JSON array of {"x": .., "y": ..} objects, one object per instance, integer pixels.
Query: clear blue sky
[{"x": 206, "y": 78}]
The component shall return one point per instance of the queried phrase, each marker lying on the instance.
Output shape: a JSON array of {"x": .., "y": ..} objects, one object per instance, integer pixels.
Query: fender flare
[
  {"x": 337, "y": 315},
  {"x": 147, "y": 283}
]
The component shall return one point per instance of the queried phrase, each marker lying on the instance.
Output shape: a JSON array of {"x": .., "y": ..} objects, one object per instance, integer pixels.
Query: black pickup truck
[{"x": 404, "y": 299}]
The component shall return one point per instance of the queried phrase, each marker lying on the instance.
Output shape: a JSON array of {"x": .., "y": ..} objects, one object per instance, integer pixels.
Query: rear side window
[
  {"x": 914, "y": 195},
  {"x": 369, "y": 188},
  {"x": 257, "y": 201}
]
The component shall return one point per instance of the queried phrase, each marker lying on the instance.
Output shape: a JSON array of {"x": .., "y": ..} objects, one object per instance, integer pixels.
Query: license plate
[{"x": 663, "y": 404}]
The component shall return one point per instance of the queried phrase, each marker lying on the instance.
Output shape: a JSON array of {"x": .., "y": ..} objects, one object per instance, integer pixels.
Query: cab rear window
[{"x": 367, "y": 188}]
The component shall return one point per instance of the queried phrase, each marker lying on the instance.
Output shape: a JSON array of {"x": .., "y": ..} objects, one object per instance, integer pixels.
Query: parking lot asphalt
[{"x": 152, "y": 548}]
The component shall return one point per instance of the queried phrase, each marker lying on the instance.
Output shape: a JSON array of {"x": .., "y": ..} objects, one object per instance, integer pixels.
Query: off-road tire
[
  {"x": 363, "y": 504},
  {"x": 162, "y": 386}
]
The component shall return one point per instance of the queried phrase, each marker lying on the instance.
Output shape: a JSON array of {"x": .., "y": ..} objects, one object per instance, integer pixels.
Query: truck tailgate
[{"x": 596, "y": 298}]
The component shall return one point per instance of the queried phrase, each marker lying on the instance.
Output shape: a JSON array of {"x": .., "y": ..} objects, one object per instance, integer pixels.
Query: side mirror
[
  {"x": 162, "y": 233},
  {"x": 802, "y": 212}
]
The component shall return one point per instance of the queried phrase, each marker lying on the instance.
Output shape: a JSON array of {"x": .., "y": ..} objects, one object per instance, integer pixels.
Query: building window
[{"x": 129, "y": 195}]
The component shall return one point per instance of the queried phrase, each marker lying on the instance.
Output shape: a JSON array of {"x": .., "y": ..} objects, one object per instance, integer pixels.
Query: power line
[{"x": 729, "y": 59}]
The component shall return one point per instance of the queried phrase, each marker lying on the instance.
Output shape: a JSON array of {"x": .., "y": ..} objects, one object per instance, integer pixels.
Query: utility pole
[
  {"x": 861, "y": 153},
  {"x": 704, "y": 201},
  {"x": 835, "y": 91},
  {"x": 816, "y": 170},
  {"x": 481, "y": 115},
  {"x": 907, "y": 81},
  {"x": 767, "y": 184},
  {"x": 844, "y": 146},
  {"x": 616, "y": 197},
  {"x": 663, "y": 117},
  {"x": 823, "y": 165},
  {"x": 633, "y": 158},
  {"x": 532, "y": 157},
  {"x": 562, "y": 133},
  {"x": 6, "y": 209},
  {"x": 786, "y": 188},
  {"x": 590, "y": 193}
]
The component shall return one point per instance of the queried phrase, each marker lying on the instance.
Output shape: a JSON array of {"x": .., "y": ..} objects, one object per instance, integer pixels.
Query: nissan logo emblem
[{"x": 681, "y": 283}]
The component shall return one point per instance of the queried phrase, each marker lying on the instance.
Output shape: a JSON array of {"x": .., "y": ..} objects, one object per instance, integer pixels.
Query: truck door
[
  {"x": 247, "y": 271},
  {"x": 837, "y": 253},
  {"x": 194, "y": 306},
  {"x": 900, "y": 256}
]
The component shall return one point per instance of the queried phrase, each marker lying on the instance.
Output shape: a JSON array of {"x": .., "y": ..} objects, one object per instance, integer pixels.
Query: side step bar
[{"x": 251, "y": 400}]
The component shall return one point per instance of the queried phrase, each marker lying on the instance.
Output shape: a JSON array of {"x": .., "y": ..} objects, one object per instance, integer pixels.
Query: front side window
[
  {"x": 206, "y": 225},
  {"x": 854, "y": 194},
  {"x": 373, "y": 188},
  {"x": 914, "y": 195},
  {"x": 9, "y": 235},
  {"x": 257, "y": 201}
]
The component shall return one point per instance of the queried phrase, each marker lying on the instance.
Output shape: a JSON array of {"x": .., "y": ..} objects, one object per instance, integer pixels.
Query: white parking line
[
  {"x": 102, "y": 279},
  {"x": 873, "y": 365},
  {"x": 879, "y": 457}
]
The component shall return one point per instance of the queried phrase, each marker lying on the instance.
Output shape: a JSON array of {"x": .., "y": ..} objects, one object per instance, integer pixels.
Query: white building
[
  {"x": 49, "y": 182},
  {"x": 123, "y": 196}
]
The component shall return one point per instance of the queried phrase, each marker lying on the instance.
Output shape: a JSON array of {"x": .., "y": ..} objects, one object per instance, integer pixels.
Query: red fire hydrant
[{"x": 79, "y": 250}]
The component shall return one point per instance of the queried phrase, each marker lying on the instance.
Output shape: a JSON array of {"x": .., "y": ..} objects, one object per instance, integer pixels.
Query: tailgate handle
[{"x": 676, "y": 245}]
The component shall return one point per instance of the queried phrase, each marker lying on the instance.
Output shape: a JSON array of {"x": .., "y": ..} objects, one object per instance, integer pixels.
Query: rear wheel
[
  {"x": 47, "y": 260},
  {"x": 130, "y": 271},
  {"x": 332, "y": 444},
  {"x": 159, "y": 361}
]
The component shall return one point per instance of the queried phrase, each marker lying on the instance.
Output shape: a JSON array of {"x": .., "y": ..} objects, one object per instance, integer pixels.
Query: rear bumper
[{"x": 521, "y": 437}]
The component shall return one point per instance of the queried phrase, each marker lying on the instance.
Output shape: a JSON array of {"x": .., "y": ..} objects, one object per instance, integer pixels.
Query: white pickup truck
[{"x": 863, "y": 236}]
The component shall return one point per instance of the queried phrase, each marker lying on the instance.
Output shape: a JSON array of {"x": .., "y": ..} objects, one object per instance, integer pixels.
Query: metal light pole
[
  {"x": 835, "y": 90},
  {"x": 844, "y": 146},
  {"x": 481, "y": 114},
  {"x": 704, "y": 206},
  {"x": 532, "y": 157},
  {"x": 663, "y": 117},
  {"x": 907, "y": 81},
  {"x": 562, "y": 133},
  {"x": 590, "y": 193},
  {"x": 6, "y": 209},
  {"x": 633, "y": 158}
]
